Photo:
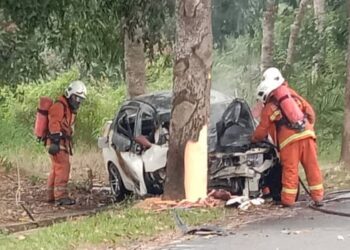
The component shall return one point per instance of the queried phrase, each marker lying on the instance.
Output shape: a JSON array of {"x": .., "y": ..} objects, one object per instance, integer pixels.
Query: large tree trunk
[
  {"x": 134, "y": 63},
  {"x": 319, "y": 10},
  {"x": 187, "y": 156},
  {"x": 267, "y": 44},
  {"x": 294, "y": 32},
  {"x": 345, "y": 150}
]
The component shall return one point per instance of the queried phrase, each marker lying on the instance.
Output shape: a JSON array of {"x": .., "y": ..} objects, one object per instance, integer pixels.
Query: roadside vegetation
[
  {"x": 235, "y": 72},
  {"x": 116, "y": 227},
  {"x": 40, "y": 59},
  {"x": 18, "y": 105}
]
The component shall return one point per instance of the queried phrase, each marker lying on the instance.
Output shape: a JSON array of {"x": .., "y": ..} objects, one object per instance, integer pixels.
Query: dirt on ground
[
  {"x": 337, "y": 177},
  {"x": 29, "y": 192}
]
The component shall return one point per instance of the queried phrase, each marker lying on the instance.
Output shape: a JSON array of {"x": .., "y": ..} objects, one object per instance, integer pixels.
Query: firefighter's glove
[
  {"x": 55, "y": 143},
  {"x": 253, "y": 139}
]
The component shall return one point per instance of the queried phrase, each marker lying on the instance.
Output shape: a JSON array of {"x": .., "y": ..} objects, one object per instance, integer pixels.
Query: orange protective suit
[
  {"x": 61, "y": 119},
  {"x": 294, "y": 147}
]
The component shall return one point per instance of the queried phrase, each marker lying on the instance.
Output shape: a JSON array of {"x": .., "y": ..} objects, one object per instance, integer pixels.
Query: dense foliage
[
  {"x": 236, "y": 68},
  {"x": 51, "y": 36},
  {"x": 325, "y": 92},
  {"x": 18, "y": 107},
  {"x": 87, "y": 35}
]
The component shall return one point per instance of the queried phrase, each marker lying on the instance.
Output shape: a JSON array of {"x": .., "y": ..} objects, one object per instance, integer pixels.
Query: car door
[
  {"x": 124, "y": 128},
  {"x": 147, "y": 122}
]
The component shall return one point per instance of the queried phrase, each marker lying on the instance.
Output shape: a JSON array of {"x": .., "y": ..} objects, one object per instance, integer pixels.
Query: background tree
[
  {"x": 187, "y": 155},
  {"x": 86, "y": 34},
  {"x": 135, "y": 66},
  {"x": 319, "y": 9},
  {"x": 294, "y": 33},
  {"x": 319, "y": 12},
  {"x": 234, "y": 18},
  {"x": 50, "y": 38},
  {"x": 143, "y": 25},
  {"x": 345, "y": 149},
  {"x": 268, "y": 26}
]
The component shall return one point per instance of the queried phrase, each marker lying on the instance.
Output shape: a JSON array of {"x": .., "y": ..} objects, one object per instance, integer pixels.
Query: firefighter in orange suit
[
  {"x": 61, "y": 121},
  {"x": 294, "y": 146}
]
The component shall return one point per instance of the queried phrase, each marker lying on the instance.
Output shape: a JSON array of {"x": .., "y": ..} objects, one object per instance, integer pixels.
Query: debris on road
[
  {"x": 340, "y": 237},
  {"x": 215, "y": 198},
  {"x": 200, "y": 230},
  {"x": 236, "y": 201},
  {"x": 293, "y": 232},
  {"x": 243, "y": 202}
]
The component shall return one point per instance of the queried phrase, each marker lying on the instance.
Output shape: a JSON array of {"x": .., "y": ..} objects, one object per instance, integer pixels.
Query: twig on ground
[{"x": 18, "y": 193}]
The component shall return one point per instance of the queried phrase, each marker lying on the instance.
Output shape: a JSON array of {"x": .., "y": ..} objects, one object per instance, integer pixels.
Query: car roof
[{"x": 161, "y": 101}]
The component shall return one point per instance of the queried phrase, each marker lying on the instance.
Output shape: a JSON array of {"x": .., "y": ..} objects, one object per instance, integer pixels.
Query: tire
[{"x": 118, "y": 189}]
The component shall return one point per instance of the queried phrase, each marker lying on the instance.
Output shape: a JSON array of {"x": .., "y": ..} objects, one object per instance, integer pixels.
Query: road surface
[{"x": 308, "y": 229}]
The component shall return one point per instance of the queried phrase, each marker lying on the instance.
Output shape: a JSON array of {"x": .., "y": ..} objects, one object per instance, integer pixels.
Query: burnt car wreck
[
  {"x": 236, "y": 164},
  {"x": 135, "y": 144}
]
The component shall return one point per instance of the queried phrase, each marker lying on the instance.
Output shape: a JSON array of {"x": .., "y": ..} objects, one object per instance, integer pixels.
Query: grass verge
[{"x": 112, "y": 228}]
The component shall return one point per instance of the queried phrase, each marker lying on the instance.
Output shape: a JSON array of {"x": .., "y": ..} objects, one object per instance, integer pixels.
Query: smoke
[{"x": 236, "y": 70}]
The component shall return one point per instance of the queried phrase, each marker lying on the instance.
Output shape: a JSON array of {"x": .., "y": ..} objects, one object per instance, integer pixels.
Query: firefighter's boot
[{"x": 65, "y": 202}]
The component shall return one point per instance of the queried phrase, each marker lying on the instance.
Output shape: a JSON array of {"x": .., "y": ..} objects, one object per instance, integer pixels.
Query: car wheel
[{"x": 117, "y": 186}]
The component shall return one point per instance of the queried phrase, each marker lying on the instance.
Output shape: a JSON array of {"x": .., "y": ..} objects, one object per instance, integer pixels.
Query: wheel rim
[{"x": 114, "y": 180}]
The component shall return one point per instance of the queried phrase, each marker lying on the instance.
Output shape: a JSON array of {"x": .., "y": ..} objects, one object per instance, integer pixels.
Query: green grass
[
  {"x": 110, "y": 227},
  {"x": 329, "y": 153}
]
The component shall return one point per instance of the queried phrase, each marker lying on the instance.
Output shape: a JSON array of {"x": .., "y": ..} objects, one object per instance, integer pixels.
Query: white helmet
[
  {"x": 77, "y": 88},
  {"x": 272, "y": 79},
  {"x": 273, "y": 76},
  {"x": 263, "y": 91}
]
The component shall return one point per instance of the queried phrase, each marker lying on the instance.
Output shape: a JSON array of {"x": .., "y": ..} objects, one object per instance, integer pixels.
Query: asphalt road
[{"x": 308, "y": 229}]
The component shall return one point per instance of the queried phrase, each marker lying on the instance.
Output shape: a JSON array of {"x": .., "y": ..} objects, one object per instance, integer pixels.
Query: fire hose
[{"x": 329, "y": 211}]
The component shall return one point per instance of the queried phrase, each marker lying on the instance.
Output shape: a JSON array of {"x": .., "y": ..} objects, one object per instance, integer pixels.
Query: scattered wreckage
[{"x": 135, "y": 144}]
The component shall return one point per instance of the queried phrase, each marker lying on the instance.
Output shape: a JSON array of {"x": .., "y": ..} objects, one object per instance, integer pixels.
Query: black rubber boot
[
  {"x": 65, "y": 202},
  {"x": 318, "y": 203}
]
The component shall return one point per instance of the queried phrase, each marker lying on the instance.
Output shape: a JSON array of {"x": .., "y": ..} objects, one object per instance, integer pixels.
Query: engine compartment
[{"x": 238, "y": 165}]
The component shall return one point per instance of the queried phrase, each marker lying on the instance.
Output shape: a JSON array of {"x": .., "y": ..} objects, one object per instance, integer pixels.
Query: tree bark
[
  {"x": 345, "y": 149},
  {"x": 319, "y": 10},
  {"x": 191, "y": 100},
  {"x": 134, "y": 61},
  {"x": 294, "y": 32},
  {"x": 267, "y": 44}
]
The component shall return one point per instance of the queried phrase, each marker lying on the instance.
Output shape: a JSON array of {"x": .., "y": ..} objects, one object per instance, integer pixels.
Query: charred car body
[{"x": 135, "y": 145}]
